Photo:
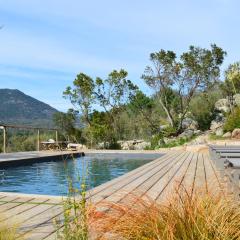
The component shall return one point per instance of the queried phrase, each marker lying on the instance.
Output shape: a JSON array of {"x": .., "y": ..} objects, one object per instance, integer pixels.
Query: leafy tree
[
  {"x": 233, "y": 120},
  {"x": 175, "y": 81},
  {"x": 82, "y": 95},
  {"x": 202, "y": 107},
  {"x": 66, "y": 122},
  {"x": 143, "y": 105},
  {"x": 231, "y": 84}
]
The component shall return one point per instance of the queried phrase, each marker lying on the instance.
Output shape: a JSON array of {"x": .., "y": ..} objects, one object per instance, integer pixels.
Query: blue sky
[{"x": 44, "y": 44}]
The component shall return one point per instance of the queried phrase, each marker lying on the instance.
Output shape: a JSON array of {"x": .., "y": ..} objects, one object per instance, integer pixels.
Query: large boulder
[
  {"x": 134, "y": 144},
  {"x": 219, "y": 131},
  {"x": 223, "y": 105},
  {"x": 236, "y": 99},
  {"x": 227, "y": 135},
  {"x": 218, "y": 122},
  {"x": 236, "y": 133},
  {"x": 188, "y": 133},
  {"x": 189, "y": 123}
]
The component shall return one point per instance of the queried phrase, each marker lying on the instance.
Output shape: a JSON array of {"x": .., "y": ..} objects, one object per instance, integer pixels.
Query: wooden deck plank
[
  {"x": 213, "y": 184},
  {"x": 189, "y": 178},
  {"x": 131, "y": 186},
  {"x": 132, "y": 180},
  {"x": 173, "y": 184},
  {"x": 130, "y": 174},
  {"x": 160, "y": 184},
  {"x": 200, "y": 180},
  {"x": 45, "y": 219},
  {"x": 8, "y": 206},
  {"x": 157, "y": 179}
]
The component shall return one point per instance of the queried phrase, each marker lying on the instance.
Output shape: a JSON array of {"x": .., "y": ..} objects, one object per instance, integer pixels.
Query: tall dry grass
[
  {"x": 184, "y": 217},
  {"x": 8, "y": 231}
]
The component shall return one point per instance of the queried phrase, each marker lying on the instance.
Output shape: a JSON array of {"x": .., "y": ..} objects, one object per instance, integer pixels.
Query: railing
[{"x": 4, "y": 127}]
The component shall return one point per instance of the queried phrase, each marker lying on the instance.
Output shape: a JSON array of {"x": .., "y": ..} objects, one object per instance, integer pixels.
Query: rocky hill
[{"x": 19, "y": 108}]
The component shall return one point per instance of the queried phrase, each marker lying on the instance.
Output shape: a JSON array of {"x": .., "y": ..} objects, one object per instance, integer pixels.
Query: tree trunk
[{"x": 170, "y": 118}]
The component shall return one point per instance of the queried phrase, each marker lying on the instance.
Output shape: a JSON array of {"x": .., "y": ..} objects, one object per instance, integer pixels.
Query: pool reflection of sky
[{"x": 52, "y": 177}]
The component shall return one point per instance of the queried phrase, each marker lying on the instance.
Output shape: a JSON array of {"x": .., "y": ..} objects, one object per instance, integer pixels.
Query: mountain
[{"x": 19, "y": 108}]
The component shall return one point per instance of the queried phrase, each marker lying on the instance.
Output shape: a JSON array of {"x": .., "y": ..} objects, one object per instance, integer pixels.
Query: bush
[{"x": 233, "y": 120}]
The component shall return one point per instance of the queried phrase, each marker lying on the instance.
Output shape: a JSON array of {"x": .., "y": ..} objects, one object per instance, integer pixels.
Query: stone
[
  {"x": 236, "y": 99},
  {"x": 188, "y": 133},
  {"x": 227, "y": 135},
  {"x": 134, "y": 144},
  {"x": 218, "y": 122},
  {"x": 236, "y": 133},
  {"x": 142, "y": 145},
  {"x": 222, "y": 105},
  {"x": 219, "y": 132},
  {"x": 189, "y": 123},
  {"x": 197, "y": 132}
]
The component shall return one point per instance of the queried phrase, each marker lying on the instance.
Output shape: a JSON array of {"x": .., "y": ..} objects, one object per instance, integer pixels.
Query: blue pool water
[{"x": 52, "y": 178}]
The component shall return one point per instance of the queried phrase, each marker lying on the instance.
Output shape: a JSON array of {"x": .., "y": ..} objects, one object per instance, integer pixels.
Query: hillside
[{"x": 17, "y": 107}]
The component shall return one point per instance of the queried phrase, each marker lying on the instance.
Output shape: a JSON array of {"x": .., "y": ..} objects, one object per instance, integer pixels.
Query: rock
[
  {"x": 236, "y": 133},
  {"x": 218, "y": 122},
  {"x": 219, "y": 131},
  {"x": 197, "y": 132},
  {"x": 189, "y": 123},
  {"x": 227, "y": 135},
  {"x": 222, "y": 105},
  {"x": 236, "y": 99},
  {"x": 142, "y": 145},
  {"x": 134, "y": 144},
  {"x": 188, "y": 133}
]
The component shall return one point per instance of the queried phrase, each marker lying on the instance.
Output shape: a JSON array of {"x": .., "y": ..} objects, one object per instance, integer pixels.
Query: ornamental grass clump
[
  {"x": 183, "y": 217},
  {"x": 8, "y": 231}
]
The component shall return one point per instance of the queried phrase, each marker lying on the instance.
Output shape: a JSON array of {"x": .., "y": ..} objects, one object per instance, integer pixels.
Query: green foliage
[
  {"x": 176, "y": 81},
  {"x": 67, "y": 124},
  {"x": 202, "y": 107},
  {"x": 82, "y": 95},
  {"x": 75, "y": 212},
  {"x": 233, "y": 120},
  {"x": 231, "y": 85}
]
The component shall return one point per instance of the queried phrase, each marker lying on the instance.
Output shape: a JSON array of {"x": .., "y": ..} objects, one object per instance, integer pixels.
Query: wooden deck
[
  {"x": 19, "y": 158},
  {"x": 157, "y": 179}
]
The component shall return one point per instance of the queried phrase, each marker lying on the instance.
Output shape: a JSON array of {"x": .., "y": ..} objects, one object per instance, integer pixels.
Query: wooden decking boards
[
  {"x": 20, "y": 158},
  {"x": 156, "y": 179}
]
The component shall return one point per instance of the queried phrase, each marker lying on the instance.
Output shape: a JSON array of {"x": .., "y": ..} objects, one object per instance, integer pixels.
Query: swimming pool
[{"x": 52, "y": 178}]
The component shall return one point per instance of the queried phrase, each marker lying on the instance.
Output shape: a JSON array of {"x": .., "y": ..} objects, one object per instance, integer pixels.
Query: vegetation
[
  {"x": 8, "y": 231},
  {"x": 231, "y": 84},
  {"x": 233, "y": 120},
  {"x": 114, "y": 108},
  {"x": 176, "y": 82},
  {"x": 183, "y": 216}
]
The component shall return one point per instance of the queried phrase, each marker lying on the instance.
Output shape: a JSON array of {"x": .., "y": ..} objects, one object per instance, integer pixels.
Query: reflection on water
[{"x": 52, "y": 177}]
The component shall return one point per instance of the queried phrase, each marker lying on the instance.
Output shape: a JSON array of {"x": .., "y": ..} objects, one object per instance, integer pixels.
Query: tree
[
  {"x": 143, "y": 105},
  {"x": 231, "y": 84},
  {"x": 112, "y": 94},
  {"x": 66, "y": 122},
  {"x": 82, "y": 95},
  {"x": 176, "y": 80}
]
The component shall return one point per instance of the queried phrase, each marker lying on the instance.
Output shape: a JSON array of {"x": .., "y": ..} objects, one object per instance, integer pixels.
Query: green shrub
[{"x": 233, "y": 120}]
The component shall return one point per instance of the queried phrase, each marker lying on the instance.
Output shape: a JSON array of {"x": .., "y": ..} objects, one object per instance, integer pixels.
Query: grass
[
  {"x": 184, "y": 217},
  {"x": 8, "y": 231}
]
